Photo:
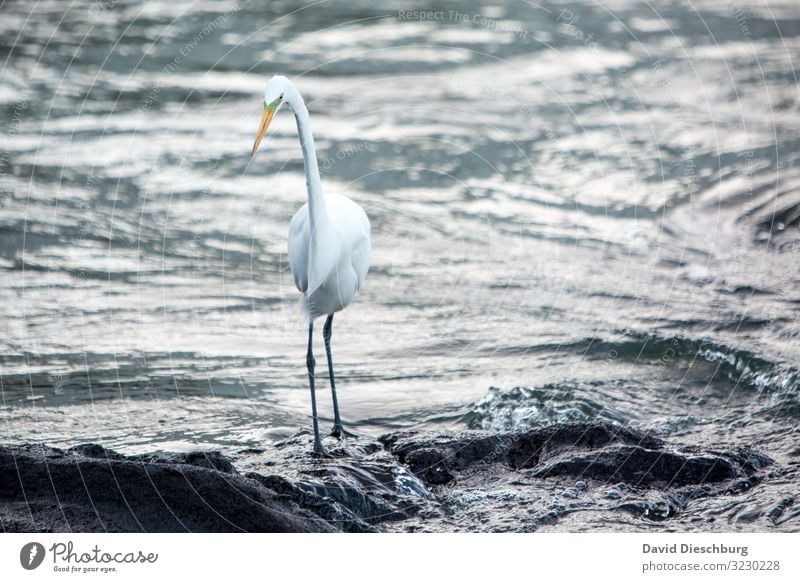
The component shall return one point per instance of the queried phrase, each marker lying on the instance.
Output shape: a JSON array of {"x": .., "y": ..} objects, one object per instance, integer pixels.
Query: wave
[
  {"x": 743, "y": 367},
  {"x": 536, "y": 407}
]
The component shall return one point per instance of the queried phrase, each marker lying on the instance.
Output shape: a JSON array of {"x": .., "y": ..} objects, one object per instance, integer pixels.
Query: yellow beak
[{"x": 266, "y": 119}]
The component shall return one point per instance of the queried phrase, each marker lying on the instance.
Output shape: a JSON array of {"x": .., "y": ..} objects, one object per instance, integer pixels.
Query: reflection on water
[{"x": 583, "y": 212}]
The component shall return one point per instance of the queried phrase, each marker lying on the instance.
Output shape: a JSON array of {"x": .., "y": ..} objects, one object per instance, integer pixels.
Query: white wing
[
  {"x": 312, "y": 258},
  {"x": 299, "y": 241},
  {"x": 361, "y": 254}
]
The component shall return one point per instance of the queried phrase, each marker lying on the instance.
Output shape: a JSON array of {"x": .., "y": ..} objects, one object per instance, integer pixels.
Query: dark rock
[
  {"x": 92, "y": 451},
  {"x": 430, "y": 465},
  {"x": 656, "y": 510},
  {"x": 777, "y": 511},
  {"x": 641, "y": 467},
  {"x": 582, "y": 450},
  {"x": 554, "y": 477},
  {"x": 210, "y": 460},
  {"x": 355, "y": 490},
  {"x": 47, "y": 490}
]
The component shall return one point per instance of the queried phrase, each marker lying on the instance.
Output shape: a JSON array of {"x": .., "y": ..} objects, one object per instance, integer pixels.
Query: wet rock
[
  {"x": 576, "y": 462},
  {"x": 210, "y": 460},
  {"x": 91, "y": 451},
  {"x": 89, "y": 488},
  {"x": 641, "y": 467},
  {"x": 777, "y": 511},
  {"x": 586, "y": 450},
  {"x": 655, "y": 510},
  {"x": 565, "y": 476},
  {"x": 335, "y": 511},
  {"x": 434, "y": 457}
]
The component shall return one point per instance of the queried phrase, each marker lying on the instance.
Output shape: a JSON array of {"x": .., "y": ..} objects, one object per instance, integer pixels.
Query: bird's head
[{"x": 275, "y": 95}]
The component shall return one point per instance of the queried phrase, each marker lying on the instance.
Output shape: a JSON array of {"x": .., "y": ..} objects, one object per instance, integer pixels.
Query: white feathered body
[{"x": 329, "y": 254}]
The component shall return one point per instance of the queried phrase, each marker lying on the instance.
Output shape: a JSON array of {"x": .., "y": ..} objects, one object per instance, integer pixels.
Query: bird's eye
[{"x": 281, "y": 97}]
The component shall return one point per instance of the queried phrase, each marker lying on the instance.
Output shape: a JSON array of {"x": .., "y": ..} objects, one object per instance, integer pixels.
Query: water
[{"x": 578, "y": 212}]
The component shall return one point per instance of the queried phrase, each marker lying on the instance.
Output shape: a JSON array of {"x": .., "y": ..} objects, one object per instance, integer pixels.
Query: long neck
[{"x": 316, "y": 201}]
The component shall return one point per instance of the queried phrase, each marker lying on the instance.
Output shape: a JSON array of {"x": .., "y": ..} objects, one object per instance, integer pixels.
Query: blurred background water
[{"x": 579, "y": 211}]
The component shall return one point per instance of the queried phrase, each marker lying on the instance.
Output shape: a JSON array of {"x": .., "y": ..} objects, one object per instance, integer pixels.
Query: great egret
[{"x": 329, "y": 242}]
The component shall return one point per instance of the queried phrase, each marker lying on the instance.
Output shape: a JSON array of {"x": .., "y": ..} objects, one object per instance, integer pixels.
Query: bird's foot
[{"x": 339, "y": 432}]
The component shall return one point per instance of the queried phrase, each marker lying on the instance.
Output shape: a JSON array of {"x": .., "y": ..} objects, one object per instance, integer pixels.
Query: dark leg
[
  {"x": 327, "y": 332},
  {"x": 310, "y": 365}
]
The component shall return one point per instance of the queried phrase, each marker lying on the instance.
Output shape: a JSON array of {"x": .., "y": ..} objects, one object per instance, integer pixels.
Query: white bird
[{"x": 329, "y": 242}]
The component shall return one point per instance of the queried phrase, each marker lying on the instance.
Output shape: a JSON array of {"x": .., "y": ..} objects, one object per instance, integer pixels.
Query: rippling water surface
[{"x": 578, "y": 211}]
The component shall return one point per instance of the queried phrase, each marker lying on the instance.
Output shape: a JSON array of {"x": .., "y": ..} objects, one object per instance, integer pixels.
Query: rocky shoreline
[{"x": 571, "y": 477}]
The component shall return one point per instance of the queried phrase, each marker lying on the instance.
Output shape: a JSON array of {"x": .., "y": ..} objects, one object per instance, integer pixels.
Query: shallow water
[{"x": 590, "y": 212}]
